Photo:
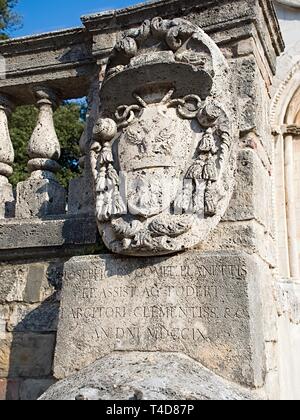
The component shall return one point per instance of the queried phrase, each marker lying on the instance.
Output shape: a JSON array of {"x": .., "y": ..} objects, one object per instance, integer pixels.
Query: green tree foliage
[
  {"x": 8, "y": 18},
  {"x": 69, "y": 124}
]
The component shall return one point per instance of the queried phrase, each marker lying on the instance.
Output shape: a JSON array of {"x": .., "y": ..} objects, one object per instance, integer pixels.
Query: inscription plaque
[{"x": 195, "y": 304}]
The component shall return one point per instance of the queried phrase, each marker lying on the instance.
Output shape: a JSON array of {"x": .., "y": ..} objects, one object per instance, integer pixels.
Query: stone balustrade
[
  {"x": 41, "y": 195},
  {"x": 6, "y": 160}
]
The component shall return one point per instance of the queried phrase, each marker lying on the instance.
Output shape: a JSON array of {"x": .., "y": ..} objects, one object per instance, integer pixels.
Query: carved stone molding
[
  {"x": 164, "y": 150},
  {"x": 283, "y": 96}
]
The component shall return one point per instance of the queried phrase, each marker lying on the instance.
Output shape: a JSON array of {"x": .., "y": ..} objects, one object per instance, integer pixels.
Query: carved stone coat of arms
[{"x": 164, "y": 148}]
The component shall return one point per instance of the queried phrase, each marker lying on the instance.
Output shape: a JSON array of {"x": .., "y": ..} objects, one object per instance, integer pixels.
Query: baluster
[
  {"x": 6, "y": 160},
  {"x": 81, "y": 196},
  {"x": 41, "y": 194}
]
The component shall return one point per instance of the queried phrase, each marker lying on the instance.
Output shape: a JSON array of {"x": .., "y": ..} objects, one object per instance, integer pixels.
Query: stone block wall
[{"x": 29, "y": 304}]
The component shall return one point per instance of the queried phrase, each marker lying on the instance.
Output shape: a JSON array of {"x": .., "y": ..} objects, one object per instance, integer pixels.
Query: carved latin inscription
[{"x": 191, "y": 304}]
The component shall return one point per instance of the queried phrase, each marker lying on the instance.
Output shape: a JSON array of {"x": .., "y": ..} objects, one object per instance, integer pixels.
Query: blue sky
[{"x": 49, "y": 15}]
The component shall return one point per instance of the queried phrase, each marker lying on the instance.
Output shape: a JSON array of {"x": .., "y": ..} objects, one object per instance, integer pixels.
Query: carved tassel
[
  {"x": 101, "y": 183},
  {"x": 113, "y": 175},
  {"x": 104, "y": 206},
  {"x": 99, "y": 206},
  {"x": 107, "y": 207}
]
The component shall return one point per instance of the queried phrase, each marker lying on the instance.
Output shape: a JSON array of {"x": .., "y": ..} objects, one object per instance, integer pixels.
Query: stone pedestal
[
  {"x": 38, "y": 197},
  {"x": 208, "y": 306}
]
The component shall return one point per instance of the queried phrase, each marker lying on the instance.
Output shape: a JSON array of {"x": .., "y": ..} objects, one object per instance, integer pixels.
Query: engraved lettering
[
  {"x": 102, "y": 333},
  {"x": 189, "y": 307}
]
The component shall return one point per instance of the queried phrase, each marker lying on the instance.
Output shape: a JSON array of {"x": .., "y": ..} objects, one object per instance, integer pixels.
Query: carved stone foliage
[{"x": 164, "y": 149}]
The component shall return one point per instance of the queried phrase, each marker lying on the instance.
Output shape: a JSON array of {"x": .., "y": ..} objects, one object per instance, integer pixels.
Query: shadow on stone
[{"x": 33, "y": 327}]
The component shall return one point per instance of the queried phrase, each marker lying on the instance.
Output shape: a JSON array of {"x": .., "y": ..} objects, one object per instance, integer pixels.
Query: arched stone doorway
[{"x": 285, "y": 117}]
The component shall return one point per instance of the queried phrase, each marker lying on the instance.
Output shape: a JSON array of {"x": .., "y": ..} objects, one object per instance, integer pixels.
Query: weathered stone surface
[
  {"x": 40, "y": 197},
  {"x": 204, "y": 305},
  {"x": 249, "y": 236},
  {"x": 4, "y": 317},
  {"x": 31, "y": 355},
  {"x": 6, "y": 160},
  {"x": 5, "y": 346},
  {"x": 70, "y": 65},
  {"x": 288, "y": 306},
  {"x": 253, "y": 104},
  {"x": 288, "y": 300},
  {"x": 247, "y": 19},
  {"x": 154, "y": 193},
  {"x": 245, "y": 349},
  {"x": 23, "y": 234},
  {"x": 7, "y": 200},
  {"x": 81, "y": 197},
  {"x": 40, "y": 318},
  {"x": 32, "y": 389},
  {"x": 147, "y": 376},
  {"x": 29, "y": 283},
  {"x": 13, "y": 280},
  {"x": 253, "y": 186}
]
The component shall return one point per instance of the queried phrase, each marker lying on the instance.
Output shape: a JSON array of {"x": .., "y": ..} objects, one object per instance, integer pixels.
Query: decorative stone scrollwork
[
  {"x": 108, "y": 200},
  {"x": 164, "y": 150}
]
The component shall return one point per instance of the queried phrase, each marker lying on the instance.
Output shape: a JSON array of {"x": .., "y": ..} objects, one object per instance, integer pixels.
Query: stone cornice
[
  {"x": 42, "y": 41},
  {"x": 48, "y": 233},
  {"x": 68, "y": 59},
  {"x": 171, "y": 8}
]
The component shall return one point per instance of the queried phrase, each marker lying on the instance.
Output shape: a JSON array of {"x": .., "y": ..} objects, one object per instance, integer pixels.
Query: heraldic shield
[{"x": 164, "y": 148}]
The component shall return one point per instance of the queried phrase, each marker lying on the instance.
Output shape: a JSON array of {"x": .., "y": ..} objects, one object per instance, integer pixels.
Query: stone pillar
[
  {"x": 291, "y": 206},
  {"x": 6, "y": 161},
  {"x": 41, "y": 195},
  {"x": 81, "y": 197}
]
